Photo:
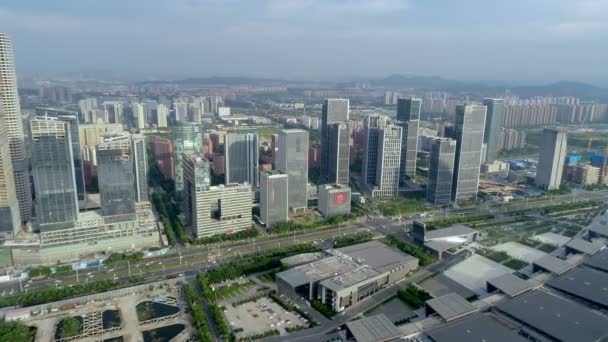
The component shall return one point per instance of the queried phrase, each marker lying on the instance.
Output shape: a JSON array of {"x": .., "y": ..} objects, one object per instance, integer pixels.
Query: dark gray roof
[
  {"x": 455, "y": 230},
  {"x": 440, "y": 285},
  {"x": 451, "y": 306},
  {"x": 556, "y": 317},
  {"x": 294, "y": 277},
  {"x": 599, "y": 225},
  {"x": 485, "y": 327},
  {"x": 583, "y": 246},
  {"x": 374, "y": 328},
  {"x": 377, "y": 255},
  {"x": 599, "y": 261},
  {"x": 511, "y": 284},
  {"x": 584, "y": 282},
  {"x": 552, "y": 264}
]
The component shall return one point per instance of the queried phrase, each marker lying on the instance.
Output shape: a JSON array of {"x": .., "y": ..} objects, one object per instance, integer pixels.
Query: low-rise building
[{"x": 334, "y": 199}]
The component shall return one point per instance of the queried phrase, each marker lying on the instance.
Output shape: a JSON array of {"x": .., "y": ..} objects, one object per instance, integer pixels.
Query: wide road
[{"x": 192, "y": 260}]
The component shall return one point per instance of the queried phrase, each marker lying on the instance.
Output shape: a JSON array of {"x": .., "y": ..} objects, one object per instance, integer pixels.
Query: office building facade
[
  {"x": 10, "y": 218},
  {"x": 224, "y": 209},
  {"x": 468, "y": 132},
  {"x": 187, "y": 138},
  {"x": 116, "y": 178},
  {"x": 140, "y": 166},
  {"x": 408, "y": 118},
  {"x": 292, "y": 159},
  {"x": 389, "y": 162},
  {"x": 491, "y": 136},
  {"x": 551, "y": 160},
  {"x": 334, "y": 111},
  {"x": 334, "y": 199},
  {"x": 373, "y": 127},
  {"x": 241, "y": 151},
  {"x": 11, "y": 110},
  {"x": 197, "y": 178},
  {"x": 274, "y": 197},
  {"x": 441, "y": 171},
  {"x": 53, "y": 171},
  {"x": 338, "y": 135}
]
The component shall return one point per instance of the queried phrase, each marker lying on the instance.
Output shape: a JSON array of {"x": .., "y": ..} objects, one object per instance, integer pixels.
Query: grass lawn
[
  {"x": 515, "y": 264},
  {"x": 401, "y": 206},
  {"x": 306, "y": 219},
  {"x": 547, "y": 248},
  {"x": 496, "y": 256},
  {"x": 233, "y": 290}
]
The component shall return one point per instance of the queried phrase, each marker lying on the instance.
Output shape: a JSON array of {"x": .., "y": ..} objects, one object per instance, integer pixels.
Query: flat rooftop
[
  {"x": 375, "y": 328},
  {"x": 317, "y": 270},
  {"x": 484, "y": 327},
  {"x": 350, "y": 278},
  {"x": 455, "y": 230},
  {"x": 377, "y": 255},
  {"x": 583, "y": 246},
  {"x": 552, "y": 264},
  {"x": 599, "y": 261},
  {"x": 450, "y": 306},
  {"x": 300, "y": 259},
  {"x": 556, "y": 317},
  {"x": 586, "y": 283},
  {"x": 599, "y": 225},
  {"x": 512, "y": 285}
]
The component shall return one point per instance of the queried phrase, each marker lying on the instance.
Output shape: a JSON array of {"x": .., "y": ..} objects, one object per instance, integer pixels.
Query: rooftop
[
  {"x": 599, "y": 225},
  {"x": 512, "y": 285},
  {"x": 585, "y": 283},
  {"x": 377, "y": 255},
  {"x": 455, "y": 230},
  {"x": 485, "y": 327},
  {"x": 583, "y": 246},
  {"x": 300, "y": 259},
  {"x": 350, "y": 278},
  {"x": 317, "y": 270},
  {"x": 599, "y": 261},
  {"x": 552, "y": 264},
  {"x": 375, "y": 328},
  {"x": 556, "y": 317},
  {"x": 450, "y": 306}
]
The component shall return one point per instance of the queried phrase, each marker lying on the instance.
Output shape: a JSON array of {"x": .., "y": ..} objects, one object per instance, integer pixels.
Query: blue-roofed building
[{"x": 573, "y": 158}]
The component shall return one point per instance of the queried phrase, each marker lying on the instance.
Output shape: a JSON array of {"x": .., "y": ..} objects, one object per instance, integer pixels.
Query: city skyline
[{"x": 501, "y": 36}]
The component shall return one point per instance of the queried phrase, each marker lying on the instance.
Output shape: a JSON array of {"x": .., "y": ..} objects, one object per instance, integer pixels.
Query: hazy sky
[{"x": 521, "y": 40}]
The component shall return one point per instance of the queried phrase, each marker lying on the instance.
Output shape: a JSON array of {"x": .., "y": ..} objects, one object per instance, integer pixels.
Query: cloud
[{"x": 333, "y": 7}]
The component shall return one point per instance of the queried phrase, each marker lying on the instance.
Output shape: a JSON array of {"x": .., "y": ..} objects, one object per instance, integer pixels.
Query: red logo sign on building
[{"x": 340, "y": 198}]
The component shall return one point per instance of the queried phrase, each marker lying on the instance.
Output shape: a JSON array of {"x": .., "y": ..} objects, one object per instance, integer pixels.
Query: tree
[
  {"x": 15, "y": 332},
  {"x": 71, "y": 327}
]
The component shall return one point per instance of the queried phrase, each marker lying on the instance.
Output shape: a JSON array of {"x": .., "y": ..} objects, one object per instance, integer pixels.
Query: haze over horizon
[{"x": 518, "y": 41}]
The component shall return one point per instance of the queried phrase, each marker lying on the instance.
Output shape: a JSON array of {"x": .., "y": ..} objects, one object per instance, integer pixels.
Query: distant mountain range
[{"x": 563, "y": 88}]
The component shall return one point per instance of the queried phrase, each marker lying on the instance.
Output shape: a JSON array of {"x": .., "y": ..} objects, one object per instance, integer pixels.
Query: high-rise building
[
  {"x": 139, "y": 115},
  {"x": 53, "y": 171},
  {"x": 181, "y": 111},
  {"x": 161, "y": 115},
  {"x": 87, "y": 107},
  {"x": 115, "y": 172},
  {"x": 334, "y": 199},
  {"x": 162, "y": 148},
  {"x": 373, "y": 127},
  {"x": 242, "y": 157},
  {"x": 274, "y": 197},
  {"x": 223, "y": 111},
  {"x": 292, "y": 159},
  {"x": 441, "y": 171},
  {"x": 140, "y": 166},
  {"x": 408, "y": 117},
  {"x": 468, "y": 132},
  {"x": 197, "y": 178},
  {"x": 389, "y": 162},
  {"x": 187, "y": 138},
  {"x": 338, "y": 135},
  {"x": 11, "y": 110},
  {"x": 55, "y": 94},
  {"x": 551, "y": 159},
  {"x": 496, "y": 108},
  {"x": 10, "y": 219},
  {"x": 334, "y": 111},
  {"x": 113, "y": 112}
]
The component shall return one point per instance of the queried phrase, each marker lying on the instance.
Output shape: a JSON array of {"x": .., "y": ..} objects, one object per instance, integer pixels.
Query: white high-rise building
[
  {"x": 11, "y": 110},
  {"x": 551, "y": 159},
  {"x": 389, "y": 162},
  {"x": 161, "y": 115},
  {"x": 87, "y": 107},
  {"x": 10, "y": 219},
  {"x": 113, "y": 112},
  {"x": 139, "y": 115}
]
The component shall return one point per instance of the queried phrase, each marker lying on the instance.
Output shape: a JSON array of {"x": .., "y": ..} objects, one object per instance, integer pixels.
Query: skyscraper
[
  {"x": 197, "y": 178},
  {"x": 551, "y": 159},
  {"x": 441, "y": 171},
  {"x": 10, "y": 219},
  {"x": 139, "y": 115},
  {"x": 334, "y": 111},
  {"x": 408, "y": 117},
  {"x": 274, "y": 197},
  {"x": 389, "y": 161},
  {"x": 181, "y": 111},
  {"x": 242, "y": 157},
  {"x": 373, "y": 127},
  {"x": 338, "y": 136},
  {"x": 11, "y": 111},
  {"x": 72, "y": 119},
  {"x": 292, "y": 159},
  {"x": 113, "y": 112},
  {"x": 140, "y": 166},
  {"x": 116, "y": 180},
  {"x": 53, "y": 171},
  {"x": 468, "y": 132},
  {"x": 87, "y": 107},
  {"x": 187, "y": 138},
  {"x": 161, "y": 115},
  {"x": 496, "y": 108}
]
